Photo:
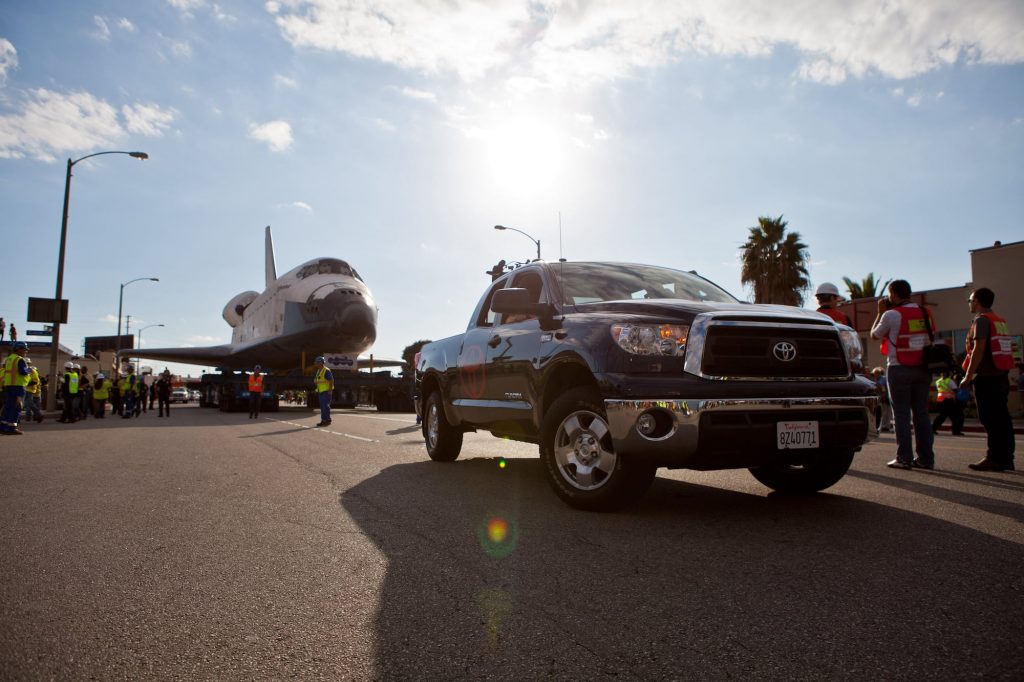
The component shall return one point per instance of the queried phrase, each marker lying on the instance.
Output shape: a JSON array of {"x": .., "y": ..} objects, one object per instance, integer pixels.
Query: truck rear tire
[
  {"x": 579, "y": 460},
  {"x": 818, "y": 473},
  {"x": 444, "y": 441}
]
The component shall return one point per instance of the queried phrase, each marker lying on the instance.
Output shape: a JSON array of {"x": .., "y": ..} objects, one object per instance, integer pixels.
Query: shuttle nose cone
[{"x": 352, "y": 313}]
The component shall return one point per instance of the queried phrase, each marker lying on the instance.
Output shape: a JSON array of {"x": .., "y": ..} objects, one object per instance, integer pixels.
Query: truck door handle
[{"x": 495, "y": 340}]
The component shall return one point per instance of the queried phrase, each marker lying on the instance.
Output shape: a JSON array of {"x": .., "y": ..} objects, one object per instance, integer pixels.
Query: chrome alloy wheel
[
  {"x": 433, "y": 418},
  {"x": 583, "y": 450}
]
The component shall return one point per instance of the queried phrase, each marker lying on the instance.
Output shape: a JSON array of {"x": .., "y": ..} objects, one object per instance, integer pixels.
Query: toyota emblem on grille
[{"x": 784, "y": 351}]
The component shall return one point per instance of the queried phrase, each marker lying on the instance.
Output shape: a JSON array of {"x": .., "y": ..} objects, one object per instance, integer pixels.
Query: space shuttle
[{"x": 321, "y": 307}]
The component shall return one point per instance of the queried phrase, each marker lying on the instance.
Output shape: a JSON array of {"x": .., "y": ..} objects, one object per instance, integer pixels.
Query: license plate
[{"x": 796, "y": 435}]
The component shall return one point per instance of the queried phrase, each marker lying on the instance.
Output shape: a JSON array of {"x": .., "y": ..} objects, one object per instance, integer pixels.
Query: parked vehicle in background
[
  {"x": 616, "y": 369},
  {"x": 179, "y": 395}
]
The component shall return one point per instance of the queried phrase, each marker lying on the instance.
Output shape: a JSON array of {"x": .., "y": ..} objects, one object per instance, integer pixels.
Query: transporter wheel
[
  {"x": 820, "y": 471},
  {"x": 579, "y": 461},
  {"x": 444, "y": 441}
]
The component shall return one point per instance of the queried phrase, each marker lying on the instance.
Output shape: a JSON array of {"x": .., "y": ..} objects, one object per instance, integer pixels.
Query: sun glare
[{"x": 524, "y": 155}]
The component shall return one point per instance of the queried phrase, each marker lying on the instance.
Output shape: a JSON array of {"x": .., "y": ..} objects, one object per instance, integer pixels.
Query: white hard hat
[
  {"x": 101, "y": 376},
  {"x": 827, "y": 289},
  {"x": 69, "y": 365}
]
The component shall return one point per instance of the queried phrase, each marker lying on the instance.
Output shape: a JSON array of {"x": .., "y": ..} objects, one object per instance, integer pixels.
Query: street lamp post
[
  {"x": 535, "y": 241},
  {"x": 142, "y": 329},
  {"x": 120, "y": 306},
  {"x": 51, "y": 396}
]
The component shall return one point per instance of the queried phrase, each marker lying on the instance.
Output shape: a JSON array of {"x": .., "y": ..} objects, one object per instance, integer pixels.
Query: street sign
[
  {"x": 39, "y": 332},
  {"x": 47, "y": 310}
]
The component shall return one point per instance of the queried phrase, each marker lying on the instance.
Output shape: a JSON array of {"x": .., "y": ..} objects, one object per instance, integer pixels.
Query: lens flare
[
  {"x": 498, "y": 537},
  {"x": 502, "y": 463}
]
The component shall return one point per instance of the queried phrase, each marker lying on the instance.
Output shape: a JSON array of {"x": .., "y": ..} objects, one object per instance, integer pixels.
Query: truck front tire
[
  {"x": 579, "y": 460},
  {"x": 444, "y": 441},
  {"x": 821, "y": 471}
]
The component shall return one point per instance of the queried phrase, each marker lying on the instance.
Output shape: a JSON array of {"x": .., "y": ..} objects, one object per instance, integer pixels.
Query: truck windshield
[{"x": 594, "y": 282}]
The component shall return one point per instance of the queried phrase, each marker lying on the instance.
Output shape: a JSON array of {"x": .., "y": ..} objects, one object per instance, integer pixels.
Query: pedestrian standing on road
[
  {"x": 883, "y": 411},
  {"x": 16, "y": 378},
  {"x": 949, "y": 406},
  {"x": 84, "y": 401},
  {"x": 127, "y": 385},
  {"x": 70, "y": 392},
  {"x": 64, "y": 390},
  {"x": 3, "y": 328},
  {"x": 323, "y": 380},
  {"x": 987, "y": 369},
  {"x": 152, "y": 394},
  {"x": 143, "y": 392},
  {"x": 255, "y": 392},
  {"x": 14, "y": 333},
  {"x": 33, "y": 410},
  {"x": 116, "y": 401},
  {"x": 900, "y": 325},
  {"x": 163, "y": 394},
  {"x": 100, "y": 393},
  {"x": 828, "y": 298}
]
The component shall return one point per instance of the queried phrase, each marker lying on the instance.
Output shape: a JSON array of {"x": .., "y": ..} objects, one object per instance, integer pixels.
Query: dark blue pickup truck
[{"x": 616, "y": 369}]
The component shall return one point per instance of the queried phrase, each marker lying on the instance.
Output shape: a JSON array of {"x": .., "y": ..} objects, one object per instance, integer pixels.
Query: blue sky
[{"x": 395, "y": 135}]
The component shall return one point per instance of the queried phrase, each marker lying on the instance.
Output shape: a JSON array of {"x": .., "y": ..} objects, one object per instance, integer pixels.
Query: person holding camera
[{"x": 903, "y": 330}]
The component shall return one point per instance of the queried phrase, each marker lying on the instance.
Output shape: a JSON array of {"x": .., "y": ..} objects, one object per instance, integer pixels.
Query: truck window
[
  {"x": 532, "y": 282},
  {"x": 485, "y": 316}
]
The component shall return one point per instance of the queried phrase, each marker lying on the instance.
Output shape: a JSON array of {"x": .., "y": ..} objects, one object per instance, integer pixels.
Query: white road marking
[{"x": 323, "y": 430}]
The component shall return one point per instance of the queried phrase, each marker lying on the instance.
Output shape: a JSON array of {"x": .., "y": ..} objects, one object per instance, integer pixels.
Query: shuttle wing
[{"x": 211, "y": 356}]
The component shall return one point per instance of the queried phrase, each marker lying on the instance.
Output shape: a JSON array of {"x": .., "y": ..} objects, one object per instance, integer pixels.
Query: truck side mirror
[{"x": 516, "y": 300}]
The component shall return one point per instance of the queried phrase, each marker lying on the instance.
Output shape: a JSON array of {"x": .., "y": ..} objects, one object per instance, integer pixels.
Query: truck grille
[{"x": 760, "y": 352}]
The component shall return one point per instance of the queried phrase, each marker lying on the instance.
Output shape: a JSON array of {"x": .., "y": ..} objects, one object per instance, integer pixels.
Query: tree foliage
[
  {"x": 774, "y": 263},
  {"x": 409, "y": 354},
  {"x": 866, "y": 288}
]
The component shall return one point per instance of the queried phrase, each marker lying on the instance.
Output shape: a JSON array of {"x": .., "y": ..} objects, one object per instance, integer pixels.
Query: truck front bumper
[{"x": 734, "y": 433}]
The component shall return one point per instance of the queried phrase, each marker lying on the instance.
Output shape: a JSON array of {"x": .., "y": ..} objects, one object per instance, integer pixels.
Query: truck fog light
[{"x": 646, "y": 424}]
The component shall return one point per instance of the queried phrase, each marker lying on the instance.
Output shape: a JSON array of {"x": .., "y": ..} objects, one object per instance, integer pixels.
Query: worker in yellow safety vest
[
  {"x": 323, "y": 381},
  {"x": 69, "y": 394},
  {"x": 100, "y": 394},
  {"x": 949, "y": 406},
  {"x": 33, "y": 393},
  {"x": 16, "y": 378},
  {"x": 127, "y": 385}
]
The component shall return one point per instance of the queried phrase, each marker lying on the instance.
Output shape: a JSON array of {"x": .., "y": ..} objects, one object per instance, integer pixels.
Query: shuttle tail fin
[{"x": 271, "y": 268}]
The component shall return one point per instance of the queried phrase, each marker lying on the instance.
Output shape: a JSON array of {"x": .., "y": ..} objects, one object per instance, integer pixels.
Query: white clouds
[
  {"x": 146, "y": 119},
  {"x": 464, "y": 37},
  {"x": 422, "y": 95},
  {"x": 562, "y": 42},
  {"x": 277, "y": 134},
  {"x": 188, "y": 9},
  {"x": 51, "y": 123},
  {"x": 187, "y": 6},
  {"x": 285, "y": 82},
  {"x": 8, "y": 59},
  {"x": 301, "y": 206},
  {"x": 103, "y": 32}
]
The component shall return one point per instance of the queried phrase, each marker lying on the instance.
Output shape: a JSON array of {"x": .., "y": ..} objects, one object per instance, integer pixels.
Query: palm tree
[
  {"x": 775, "y": 263},
  {"x": 866, "y": 288}
]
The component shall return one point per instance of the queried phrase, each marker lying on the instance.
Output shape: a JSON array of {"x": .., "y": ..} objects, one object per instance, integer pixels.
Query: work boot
[{"x": 987, "y": 465}]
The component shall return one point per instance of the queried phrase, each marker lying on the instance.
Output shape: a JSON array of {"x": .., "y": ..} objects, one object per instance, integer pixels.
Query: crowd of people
[{"x": 81, "y": 395}]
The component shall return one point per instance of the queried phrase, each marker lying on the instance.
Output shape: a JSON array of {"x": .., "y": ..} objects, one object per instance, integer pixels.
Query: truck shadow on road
[{"x": 490, "y": 576}]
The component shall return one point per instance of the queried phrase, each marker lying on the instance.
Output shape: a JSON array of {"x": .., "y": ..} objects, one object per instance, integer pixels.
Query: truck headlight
[
  {"x": 852, "y": 347},
  {"x": 651, "y": 339}
]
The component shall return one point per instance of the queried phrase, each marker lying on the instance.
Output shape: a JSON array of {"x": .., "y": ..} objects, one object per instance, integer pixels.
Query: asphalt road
[{"x": 211, "y": 546}]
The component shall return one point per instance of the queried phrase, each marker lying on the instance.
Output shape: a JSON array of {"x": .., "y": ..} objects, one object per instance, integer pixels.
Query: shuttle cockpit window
[{"x": 328, "y": 266}]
